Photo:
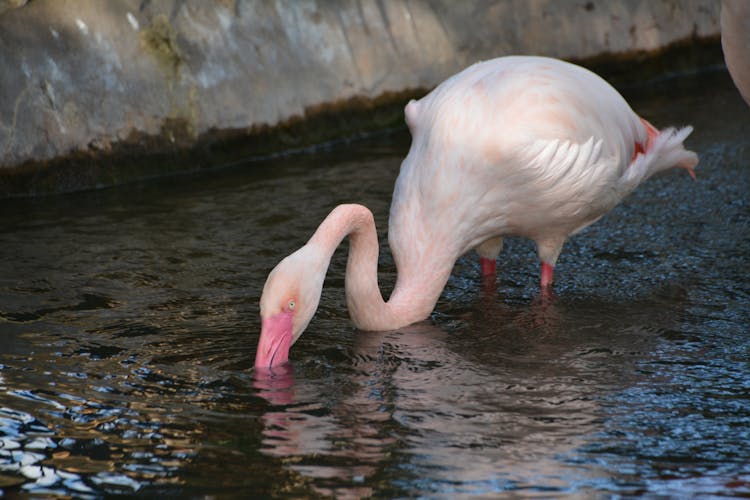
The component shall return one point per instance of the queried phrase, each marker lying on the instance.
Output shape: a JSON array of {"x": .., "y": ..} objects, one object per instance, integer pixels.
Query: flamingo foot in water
[
  {"x": 547, "y": 293},
  {"x": 489, "y": 266},
  {"x": 547, "y": 273}
]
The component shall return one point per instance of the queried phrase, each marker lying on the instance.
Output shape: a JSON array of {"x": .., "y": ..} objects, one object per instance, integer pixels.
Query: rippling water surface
[{"x": 128, "y": 324}]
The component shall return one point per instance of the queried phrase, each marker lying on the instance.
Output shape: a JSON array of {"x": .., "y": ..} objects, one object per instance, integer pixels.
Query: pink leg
[
  {"x": 489, "y": 266},
  {"x": 547, "y": 272}
]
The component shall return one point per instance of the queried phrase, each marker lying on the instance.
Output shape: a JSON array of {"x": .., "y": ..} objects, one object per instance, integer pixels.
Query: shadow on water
[{"x": 128, "y": 324}]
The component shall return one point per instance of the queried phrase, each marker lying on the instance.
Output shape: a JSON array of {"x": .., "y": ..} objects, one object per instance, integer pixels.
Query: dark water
[{"x": 128, "y": 324}]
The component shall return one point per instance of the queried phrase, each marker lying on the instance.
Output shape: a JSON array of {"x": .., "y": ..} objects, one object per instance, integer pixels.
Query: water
[{"x": 128, "y": 324}]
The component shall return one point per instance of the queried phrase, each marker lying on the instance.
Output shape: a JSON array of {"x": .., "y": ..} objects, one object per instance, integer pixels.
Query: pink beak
[{"x": 275, "y": 340}]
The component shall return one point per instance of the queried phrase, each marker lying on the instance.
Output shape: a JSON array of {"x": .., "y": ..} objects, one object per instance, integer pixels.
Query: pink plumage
[
  {"x": 523, "y": 146},
  {"x": 735, "y": 41}
]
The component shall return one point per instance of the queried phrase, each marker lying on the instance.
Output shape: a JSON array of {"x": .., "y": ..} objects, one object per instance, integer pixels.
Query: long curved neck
[{"x": 416, "y": 290}]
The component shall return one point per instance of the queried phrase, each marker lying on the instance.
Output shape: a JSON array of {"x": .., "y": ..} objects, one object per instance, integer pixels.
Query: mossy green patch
[{"x": 160, "y": 40}]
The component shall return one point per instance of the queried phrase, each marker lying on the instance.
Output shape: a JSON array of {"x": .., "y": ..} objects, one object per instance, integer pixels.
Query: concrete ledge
[{"x": 97, "y": 93}]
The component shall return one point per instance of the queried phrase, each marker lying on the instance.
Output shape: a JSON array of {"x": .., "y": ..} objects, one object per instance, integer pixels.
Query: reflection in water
[
  {"x": 458, "y": 426},
  {"x": 332, "y": 445},
  {"x": 275, "y": 385},
  {"x": 467, "y": 412}
]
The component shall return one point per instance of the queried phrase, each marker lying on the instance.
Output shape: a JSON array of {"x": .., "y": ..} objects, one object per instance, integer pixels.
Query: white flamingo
[
  {"x": 524, "y": 146},
  {"x": 735, "y": 40}
]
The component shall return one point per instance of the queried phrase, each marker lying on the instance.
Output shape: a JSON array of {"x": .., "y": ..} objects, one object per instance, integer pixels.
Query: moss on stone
[{"x": 159, "y": 39}]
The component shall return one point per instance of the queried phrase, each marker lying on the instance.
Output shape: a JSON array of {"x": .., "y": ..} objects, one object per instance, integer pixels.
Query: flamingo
[
  {"x": 735, "y": 41},
  {"x": 519, "y": 145}
]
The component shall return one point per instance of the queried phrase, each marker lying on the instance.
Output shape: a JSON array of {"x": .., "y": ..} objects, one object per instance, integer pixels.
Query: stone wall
[{"x": 89, "y": 88}]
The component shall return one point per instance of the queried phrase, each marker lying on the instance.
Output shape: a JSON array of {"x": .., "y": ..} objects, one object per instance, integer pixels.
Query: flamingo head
[{"x": 289, "y": 301}]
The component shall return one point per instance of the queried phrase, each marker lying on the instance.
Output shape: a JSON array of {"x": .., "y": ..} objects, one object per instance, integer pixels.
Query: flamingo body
[
  {"x": 524, "y": 146},
  {"x": 735, "y": 41}
]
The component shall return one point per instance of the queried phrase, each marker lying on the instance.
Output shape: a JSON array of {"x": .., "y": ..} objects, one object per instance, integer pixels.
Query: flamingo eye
[{"x": 291, "y": 305}]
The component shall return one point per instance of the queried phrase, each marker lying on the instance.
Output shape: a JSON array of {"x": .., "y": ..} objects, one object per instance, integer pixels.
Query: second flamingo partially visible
[{"x": 524, "y": 146}]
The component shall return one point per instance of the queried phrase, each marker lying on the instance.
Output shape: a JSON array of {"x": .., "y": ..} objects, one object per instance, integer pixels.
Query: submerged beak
[{"x": 275, "y": 340}]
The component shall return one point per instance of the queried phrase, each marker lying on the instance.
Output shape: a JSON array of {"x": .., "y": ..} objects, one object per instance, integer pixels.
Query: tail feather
[{"x": 664, "y": 152}]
